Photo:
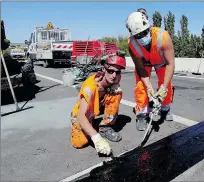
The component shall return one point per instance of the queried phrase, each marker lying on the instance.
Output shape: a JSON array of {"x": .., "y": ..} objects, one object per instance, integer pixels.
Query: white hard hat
[{"x": 137, "y": 22}]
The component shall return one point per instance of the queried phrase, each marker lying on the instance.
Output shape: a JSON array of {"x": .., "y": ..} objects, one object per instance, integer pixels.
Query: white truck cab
[{"x": 50, "y": 45}]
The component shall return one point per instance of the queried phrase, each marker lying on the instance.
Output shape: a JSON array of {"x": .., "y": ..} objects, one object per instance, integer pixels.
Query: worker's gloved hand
[
  {"x": 150, "y": 92},
  {"x": 101, "y": 145},
  {"x": 161, "y": 93},
  {"x": 156, "y": 106}
]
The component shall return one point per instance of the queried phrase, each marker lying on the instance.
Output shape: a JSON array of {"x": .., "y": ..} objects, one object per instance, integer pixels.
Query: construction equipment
[
  {"x": 154, "y": 112},
  {"x": 76, "y": 75},
  {"x": 86, "y": 56},
  {"x": 13, "y": 73},
  {"x": 86, "y": 51},
  {"x": 49, "y": 45}
]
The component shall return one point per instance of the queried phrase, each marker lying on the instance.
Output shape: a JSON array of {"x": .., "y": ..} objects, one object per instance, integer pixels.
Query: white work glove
[
  {"x": 101, "y": 145},
  {"x": 150, "y": 92},
  {"x": 161, "y": 93}
]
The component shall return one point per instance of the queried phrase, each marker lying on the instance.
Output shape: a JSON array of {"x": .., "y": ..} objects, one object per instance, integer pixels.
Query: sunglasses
[
  {"x": 113, "y": 71},
  {"x": 142, "y": 34}
]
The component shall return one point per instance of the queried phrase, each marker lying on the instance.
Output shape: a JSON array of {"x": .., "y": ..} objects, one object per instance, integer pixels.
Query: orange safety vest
[
  {"x": 89, "y": 91},
  {"x": 155, "y": 56}
]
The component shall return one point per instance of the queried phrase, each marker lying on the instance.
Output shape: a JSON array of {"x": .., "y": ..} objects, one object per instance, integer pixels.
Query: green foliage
[
  {"x": 122, "y": 43},
  {"x": 157, "y": 19},
  {"x": 169, "y": 22}
]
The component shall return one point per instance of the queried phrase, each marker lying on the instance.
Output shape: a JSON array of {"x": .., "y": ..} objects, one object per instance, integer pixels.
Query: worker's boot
[
  {"x": 166, "y": 115},
  {"x": 107, "y": 131},
  {"x": 142, "y": 122}
]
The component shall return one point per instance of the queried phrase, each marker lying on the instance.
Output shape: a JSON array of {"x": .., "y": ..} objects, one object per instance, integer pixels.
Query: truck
[{"x": 49, "y": 46}]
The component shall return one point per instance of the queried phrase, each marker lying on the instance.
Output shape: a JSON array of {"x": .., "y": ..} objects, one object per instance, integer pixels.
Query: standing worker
[
  {"x": 101, "y": 90},
  {"x": 143, "y": 11},
  {"x": 150, "y": 47}
]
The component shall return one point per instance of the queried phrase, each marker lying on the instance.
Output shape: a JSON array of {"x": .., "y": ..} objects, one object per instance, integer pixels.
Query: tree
[
  {"x": 169, "y": 22},
  {"x": 185, "y": 36},
  {"x": 193, "y": 47},
  {"x": 184, "y": 27},
  {"x": 109, "y": 39},
  {"x": 121, "y": 42},
  {"x": 201, "y": 51},
  {"x": 176, "y": 43},
  {"x": 157, "y": 19},
  {"x": 202, "y": 38}
]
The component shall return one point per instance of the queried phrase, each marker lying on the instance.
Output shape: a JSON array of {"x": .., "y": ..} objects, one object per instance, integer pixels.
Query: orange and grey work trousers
[
  {"x": 141, "y": 97},
  {"x": 110, "y": 104}
]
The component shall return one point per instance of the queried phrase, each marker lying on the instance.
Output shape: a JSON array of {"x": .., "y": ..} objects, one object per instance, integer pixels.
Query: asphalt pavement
[{"x": 35, "y": 143}]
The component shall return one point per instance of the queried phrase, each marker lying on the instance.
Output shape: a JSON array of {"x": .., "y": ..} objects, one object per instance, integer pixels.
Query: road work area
[{"x": 35, "y": 143}]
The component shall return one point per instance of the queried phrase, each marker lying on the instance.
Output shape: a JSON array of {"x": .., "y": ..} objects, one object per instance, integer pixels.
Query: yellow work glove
[
  {"x": 101, "y": 145},
  {"x": 150, "y": 92},
  {"x": 161, "y": 93}
]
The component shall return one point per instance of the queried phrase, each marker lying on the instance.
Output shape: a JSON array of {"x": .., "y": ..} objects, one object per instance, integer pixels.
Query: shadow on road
[
  {"x": 23, "y": 94},
  {"x": 120, "y": 122}
]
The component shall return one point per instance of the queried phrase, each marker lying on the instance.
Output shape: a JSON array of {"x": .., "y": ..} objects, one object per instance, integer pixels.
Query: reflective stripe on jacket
[{"x": 155, "y": 56}]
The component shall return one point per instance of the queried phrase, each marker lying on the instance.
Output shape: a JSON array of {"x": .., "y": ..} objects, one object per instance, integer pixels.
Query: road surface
[{"x": 35, "y": 143}]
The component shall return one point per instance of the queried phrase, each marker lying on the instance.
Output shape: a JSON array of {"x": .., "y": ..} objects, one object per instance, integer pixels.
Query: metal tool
[{"x": 155, "y": 111}]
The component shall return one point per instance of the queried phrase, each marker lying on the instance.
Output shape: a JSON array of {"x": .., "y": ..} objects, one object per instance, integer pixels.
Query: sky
[{"x": 94, "y": 19}]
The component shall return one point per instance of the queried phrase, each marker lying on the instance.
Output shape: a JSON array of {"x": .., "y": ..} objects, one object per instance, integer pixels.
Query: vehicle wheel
[{"x": 46, "y": 64}]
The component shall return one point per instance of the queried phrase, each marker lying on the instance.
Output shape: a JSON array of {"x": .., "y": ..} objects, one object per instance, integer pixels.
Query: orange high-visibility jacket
[
  {"x": 89, "y": 91},
  {"x": 155, "y": 56}
]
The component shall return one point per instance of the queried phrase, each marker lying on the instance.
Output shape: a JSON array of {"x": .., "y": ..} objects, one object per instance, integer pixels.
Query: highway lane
[
  {"x": 35, "y": 143},
  {"x": 188, "y": 96}
]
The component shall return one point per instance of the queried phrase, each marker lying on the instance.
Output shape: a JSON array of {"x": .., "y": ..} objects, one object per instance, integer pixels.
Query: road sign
[{"x": 50, "y": 25}]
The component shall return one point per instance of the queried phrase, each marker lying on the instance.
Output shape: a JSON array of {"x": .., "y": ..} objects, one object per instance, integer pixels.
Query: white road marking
[
  {"x": 81, "y": 173},
  {"x": 176, "y": 118},
  {"x": 188, "y": 77},
  {"x": 49, "y": 78},
  {"x": 192, "y": 77},
  {"x": 127, "y": 103},
  {"x": 86, "y": 171}
]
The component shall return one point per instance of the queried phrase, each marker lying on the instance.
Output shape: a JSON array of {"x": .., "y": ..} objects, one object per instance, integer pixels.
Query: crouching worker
[{"x": 101, "y": 90}]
